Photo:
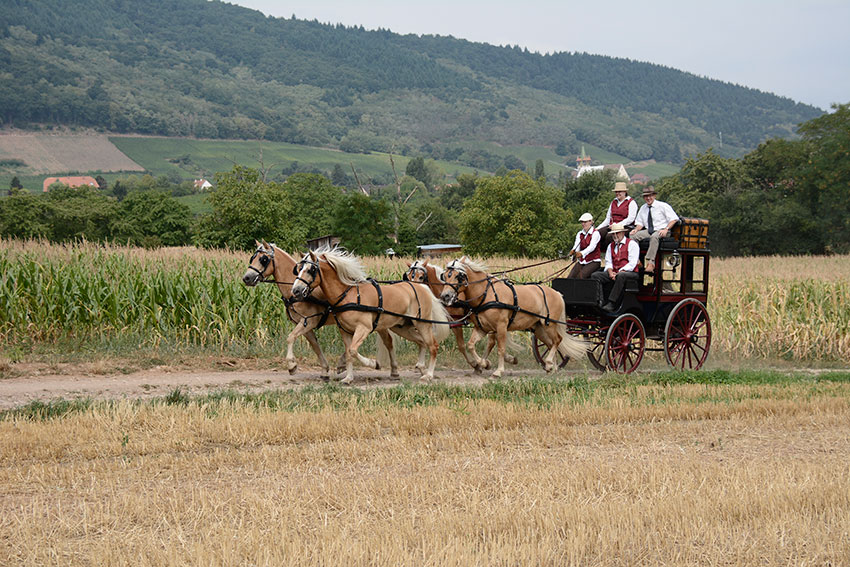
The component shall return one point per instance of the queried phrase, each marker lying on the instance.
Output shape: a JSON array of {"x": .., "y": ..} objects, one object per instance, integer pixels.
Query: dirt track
[{"x": 158, "y": 382}]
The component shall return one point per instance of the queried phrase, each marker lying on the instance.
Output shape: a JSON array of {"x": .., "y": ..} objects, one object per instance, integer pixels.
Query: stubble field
[{"x": 613, "y": 474}]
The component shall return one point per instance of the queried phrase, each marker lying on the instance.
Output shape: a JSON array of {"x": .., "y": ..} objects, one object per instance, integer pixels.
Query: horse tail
[
  {"x": 438, "y": 313},
  {"x": 383, "y": 354},
  {"x": 570, "y": 346}
]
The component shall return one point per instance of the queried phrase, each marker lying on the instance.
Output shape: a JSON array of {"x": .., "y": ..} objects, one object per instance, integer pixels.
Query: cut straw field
[
  {"x": 603, "y": 473},
  {"x": 59, "y": 300}
]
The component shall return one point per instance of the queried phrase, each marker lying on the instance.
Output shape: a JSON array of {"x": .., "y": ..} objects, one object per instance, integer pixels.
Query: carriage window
[
  {"x": 671, "y": 273},
  {"x": 695, "y": 274}
]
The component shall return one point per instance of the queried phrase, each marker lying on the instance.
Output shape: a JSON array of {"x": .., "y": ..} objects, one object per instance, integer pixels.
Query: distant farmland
[{"x": 64, "y": 153}]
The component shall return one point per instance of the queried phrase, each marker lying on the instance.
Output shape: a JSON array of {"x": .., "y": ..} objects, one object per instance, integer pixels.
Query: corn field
[{"x": 795, "y": 308}]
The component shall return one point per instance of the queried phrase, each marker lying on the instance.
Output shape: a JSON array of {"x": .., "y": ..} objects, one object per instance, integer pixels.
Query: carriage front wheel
[
  {"x": 625, "y": 344},
  {"x": 687, "y": 335}
]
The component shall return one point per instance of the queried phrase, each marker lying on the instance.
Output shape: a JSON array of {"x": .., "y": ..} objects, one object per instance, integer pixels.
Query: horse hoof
[
  {"x": 512, "y": 360},
  {"x": 292, "y": 369},
  {"x": 495, "y": 376},
  {"x": 485, "y": 365},
  {"x": 394, "y": 374},
  {"x": 325, "y": 377},
  {"x": 347, "y": 380},
  {"x": 548, "y": 368},
  {"x": 476, "y": 369}
]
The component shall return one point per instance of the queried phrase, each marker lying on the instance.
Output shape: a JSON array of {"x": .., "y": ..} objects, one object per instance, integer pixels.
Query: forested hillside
[{"x": 210, "y": 69}]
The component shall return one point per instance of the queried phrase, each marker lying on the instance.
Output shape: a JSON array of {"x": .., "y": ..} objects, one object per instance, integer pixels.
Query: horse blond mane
[
  {"x": 472, "y": 265},
  {"x": 348, "y": 266}
]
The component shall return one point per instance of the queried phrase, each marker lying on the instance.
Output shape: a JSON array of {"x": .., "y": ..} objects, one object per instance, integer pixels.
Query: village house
[
  {"x": 583, "y": 166},
  {"x": 201, "y": 184},
  {"x": 70, "y": 181}
]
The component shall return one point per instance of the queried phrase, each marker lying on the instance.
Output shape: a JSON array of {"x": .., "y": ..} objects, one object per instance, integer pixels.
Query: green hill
[{"x": 209, "y": 69}]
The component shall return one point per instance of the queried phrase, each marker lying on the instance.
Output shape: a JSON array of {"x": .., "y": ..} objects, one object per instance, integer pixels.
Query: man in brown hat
[
  {"x": 586, "y": 249},
  {"x": 623, "y": 209},
  {"x": 621, "y": 259},
  {"x": 654, "y": 221}
]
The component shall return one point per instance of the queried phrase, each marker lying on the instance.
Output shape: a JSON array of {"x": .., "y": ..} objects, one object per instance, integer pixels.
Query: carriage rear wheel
[
  {"x": 595, "y": 352},
  {"x": 687, "y": 335},
  {"x": 625, "y": 344}
]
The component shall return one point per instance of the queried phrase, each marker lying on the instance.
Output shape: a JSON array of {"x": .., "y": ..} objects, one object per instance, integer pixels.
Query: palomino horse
[
  {"x": 422, "y": 272},
  {"x": 312, "y": 313},
  {"x": 499, "y": 306},
  {"x": 362, "y": 306}
]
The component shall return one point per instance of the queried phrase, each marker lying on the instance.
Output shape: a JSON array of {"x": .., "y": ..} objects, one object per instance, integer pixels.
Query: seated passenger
[
  {"x": 621, "y": 259},
  {"x": 623, "y": 209},
  {"x": 586, "y": 249},
  {"x": 654, "y": 221}
]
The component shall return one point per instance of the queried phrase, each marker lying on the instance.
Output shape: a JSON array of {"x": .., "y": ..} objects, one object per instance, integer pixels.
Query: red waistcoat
[
  {"x": 620, "y": 258},
  {"x": 584, "y": 242},
  {"x": 620, "y": 211}
]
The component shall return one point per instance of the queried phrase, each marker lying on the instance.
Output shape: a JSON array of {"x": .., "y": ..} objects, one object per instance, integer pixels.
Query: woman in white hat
[{"x": 586, "y": 249}]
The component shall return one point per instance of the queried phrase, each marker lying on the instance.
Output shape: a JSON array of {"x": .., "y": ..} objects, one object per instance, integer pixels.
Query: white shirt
[
  {"x": 634, "y": 254},
  {"x": 662, "y": 214},
  {"x": 633, "y": 210},
  {"x": 594, "y": 242}
]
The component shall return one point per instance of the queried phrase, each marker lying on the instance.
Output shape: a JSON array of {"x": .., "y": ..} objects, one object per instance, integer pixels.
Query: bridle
[
  {"x": 267, "y": 258},
  {"x": 312, "y": 271},
  {"x": 411, "y": 273}
]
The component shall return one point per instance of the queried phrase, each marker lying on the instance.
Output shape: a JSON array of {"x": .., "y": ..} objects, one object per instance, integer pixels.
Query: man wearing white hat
[
  {"x": 623, "y": 209},
  {"x": 586, "y": 249},
  {"x": 621, "y": 259}
]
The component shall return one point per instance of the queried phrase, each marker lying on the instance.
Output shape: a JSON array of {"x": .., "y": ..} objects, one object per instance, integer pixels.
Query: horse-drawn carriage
[{"x": 667, "y": 305}]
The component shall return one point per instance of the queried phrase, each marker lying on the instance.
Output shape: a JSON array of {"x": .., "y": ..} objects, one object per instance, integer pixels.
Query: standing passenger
[{"x": 623, "y": 209}]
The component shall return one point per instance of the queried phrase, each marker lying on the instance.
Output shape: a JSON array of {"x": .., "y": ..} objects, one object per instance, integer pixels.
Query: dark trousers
[
  {"x": 583, "y": 271},
  {"x": 612, "y": 290}
]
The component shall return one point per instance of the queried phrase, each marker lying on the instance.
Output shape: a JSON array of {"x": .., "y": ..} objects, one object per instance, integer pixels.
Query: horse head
[
  {"x": 261, "y": 265},
  {"x": 307, "y": 275},
  {"x": 455, "y": 279}
]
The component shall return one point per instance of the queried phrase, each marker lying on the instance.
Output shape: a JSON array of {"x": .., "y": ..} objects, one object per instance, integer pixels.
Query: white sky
[{"x": 798, "y": 49}]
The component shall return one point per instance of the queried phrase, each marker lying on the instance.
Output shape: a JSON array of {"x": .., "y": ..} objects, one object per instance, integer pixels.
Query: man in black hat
[{"x": 654, "y": 221}]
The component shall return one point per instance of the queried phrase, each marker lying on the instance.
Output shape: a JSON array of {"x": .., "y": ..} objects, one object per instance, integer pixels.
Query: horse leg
[
  {"x": 345, "y": 364},
  {"x": 542, "y": 333},
  {"x": 314, "y": 343},
  {"x": 429, "y": 344},
  {"x": 387, "y": 341},
  {"x": 502, "y": 341},
  {"x": 360, "y": 334},
  {"x": 476, "y": 336},
  {"x": 461, "y": 345},
  {"x": 412, "y": 334}
]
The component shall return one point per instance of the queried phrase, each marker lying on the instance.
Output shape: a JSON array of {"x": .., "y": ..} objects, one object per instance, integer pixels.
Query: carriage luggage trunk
[{"x": 691, "y": 233}]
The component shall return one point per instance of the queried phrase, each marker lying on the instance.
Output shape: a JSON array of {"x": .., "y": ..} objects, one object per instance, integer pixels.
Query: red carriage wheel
[
  {"x": 625, "y": 344},
  {"x": 687, "y": 335},
  {"x": 596, "y": 347}
]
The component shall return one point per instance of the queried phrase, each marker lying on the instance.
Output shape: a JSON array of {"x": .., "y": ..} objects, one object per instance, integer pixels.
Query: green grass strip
[{"x": 534, "y": 392}]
